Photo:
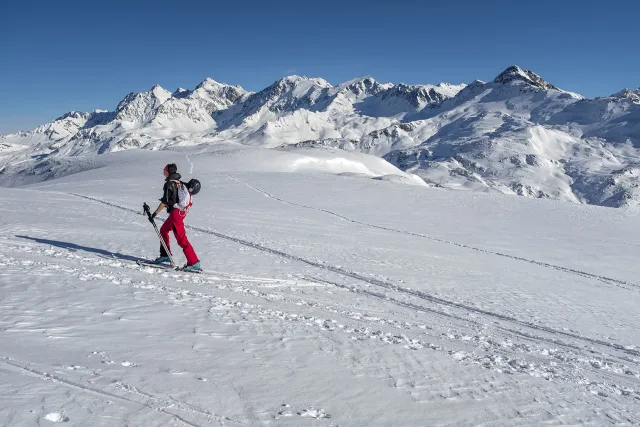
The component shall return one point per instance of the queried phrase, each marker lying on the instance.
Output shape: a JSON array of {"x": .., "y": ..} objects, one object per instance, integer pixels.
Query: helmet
[{"x": 194, "y": 186}]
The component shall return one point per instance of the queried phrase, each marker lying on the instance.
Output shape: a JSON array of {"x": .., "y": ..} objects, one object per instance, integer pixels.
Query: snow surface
[{"x": 329, "y": 299}]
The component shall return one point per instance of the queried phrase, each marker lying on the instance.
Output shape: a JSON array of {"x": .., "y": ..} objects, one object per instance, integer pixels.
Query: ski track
[
  {"x": 609, "y": 280},
  {"x": 418, "y": 294},
  {"x": 390, "y": 286},
  {"x": 503, "y": 358},
  {"x": 466, "y": 320},
  {"x": 154, "y": 403}
]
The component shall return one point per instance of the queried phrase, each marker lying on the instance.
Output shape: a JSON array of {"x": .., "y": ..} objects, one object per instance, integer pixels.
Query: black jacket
[{"x": 170, "y": 191}]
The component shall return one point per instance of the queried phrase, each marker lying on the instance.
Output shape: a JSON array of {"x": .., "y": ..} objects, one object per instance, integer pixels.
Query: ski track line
[
  {"x": 158, "y": 406},
  {"x": 570, "y": 369},
  {"x": 218, "y": 275},
  {"x": 535, "y": 338},
  {"x": 496, "y": 346},
  {"x": 609, "y": 280},
  {"x": 380, "y": 283},
  {"x": 575, "y": 353}
]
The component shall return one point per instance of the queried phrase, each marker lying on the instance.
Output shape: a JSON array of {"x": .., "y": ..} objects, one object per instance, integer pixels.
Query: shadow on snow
[{"x": 74, "y": 247}]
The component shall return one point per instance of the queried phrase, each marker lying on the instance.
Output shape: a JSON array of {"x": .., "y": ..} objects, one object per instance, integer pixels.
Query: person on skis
[{"x": 175, "y": 221}]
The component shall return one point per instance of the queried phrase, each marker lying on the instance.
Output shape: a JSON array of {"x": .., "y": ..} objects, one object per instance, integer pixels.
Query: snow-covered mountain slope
[
  {"x": 193, "y": 110},
  {"x": 634, "y": 96},
  {"x": 520, "y": 135},
  {"x": 141, "y": 107},
  {"x": 516, "y": 134},
  {"x": 327, "y": 300}
]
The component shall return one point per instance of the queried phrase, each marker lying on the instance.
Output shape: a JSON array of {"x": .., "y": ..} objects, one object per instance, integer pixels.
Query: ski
[
  {"x": 165, "y": 267},
  {"x": 154, "y": 265}
]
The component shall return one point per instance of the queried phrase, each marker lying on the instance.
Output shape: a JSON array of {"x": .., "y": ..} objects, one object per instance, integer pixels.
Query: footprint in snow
[
  {"x": 314, "y": 413},
  {"x": 286, "y": 411},
  {"x": 107, "y": 360},
  {"x": 75, "y": 367},
  {"x": 56, "y": 417}
]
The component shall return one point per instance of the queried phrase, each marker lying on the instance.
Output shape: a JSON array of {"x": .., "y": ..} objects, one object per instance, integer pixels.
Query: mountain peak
[
  {"x": 451, "y": 87},
  {"x": 218, "y": 93},
  {"x": 363, "y": 86},
  {"x": 515, "y": 74},
  {"x": 139, "y": 106},
  {"x": 365, "y": 79},
  {"x": 160, "y": 92},
  {"x": 296, "y": 86},
  {"x": 210, "y": 84},
  {"x": 181, "y": 93},
  {"x": 295, "y": 80},
  {"x": 73, "y": 115},
  {"x": 633, "y": 95}
]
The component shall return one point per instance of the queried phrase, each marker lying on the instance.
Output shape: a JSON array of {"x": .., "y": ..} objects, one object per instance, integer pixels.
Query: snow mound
[{"x": 218, "y": 159}]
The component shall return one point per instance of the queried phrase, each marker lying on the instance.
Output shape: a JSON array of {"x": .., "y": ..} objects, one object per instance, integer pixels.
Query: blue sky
[{"x": 61, "y": 56}]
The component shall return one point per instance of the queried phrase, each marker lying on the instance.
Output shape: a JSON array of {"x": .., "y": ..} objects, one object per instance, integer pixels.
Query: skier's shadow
[{"x": 73, "y": 247}]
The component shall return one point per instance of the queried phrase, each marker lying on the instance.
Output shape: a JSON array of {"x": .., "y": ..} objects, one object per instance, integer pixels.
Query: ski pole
[{"x": 164, "y": 245}]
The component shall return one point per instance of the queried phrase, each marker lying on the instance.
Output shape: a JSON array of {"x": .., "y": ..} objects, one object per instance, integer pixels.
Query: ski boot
[{"x": 193, "y": 267}]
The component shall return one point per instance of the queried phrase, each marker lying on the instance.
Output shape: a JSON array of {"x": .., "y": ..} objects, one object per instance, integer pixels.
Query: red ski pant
[{"x": 175, "y": 222}]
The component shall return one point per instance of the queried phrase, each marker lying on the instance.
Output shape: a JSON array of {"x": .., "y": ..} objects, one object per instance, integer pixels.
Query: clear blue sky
[{"x": 57, "y": 56}]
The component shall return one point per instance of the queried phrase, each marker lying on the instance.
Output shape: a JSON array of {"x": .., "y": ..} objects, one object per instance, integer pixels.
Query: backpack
[{"x": 184, "y": 197}]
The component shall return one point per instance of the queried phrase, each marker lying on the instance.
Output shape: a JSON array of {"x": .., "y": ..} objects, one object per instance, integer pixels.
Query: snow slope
[
  {"x": 328, "y": 300},
  {"x": 222, "y": 158},
  {"x": 520, "y": 135},
  {"x": 516, "y": 134}
]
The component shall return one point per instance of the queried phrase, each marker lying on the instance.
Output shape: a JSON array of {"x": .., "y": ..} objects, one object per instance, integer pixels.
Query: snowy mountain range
[{"x": 517, "y": 134}]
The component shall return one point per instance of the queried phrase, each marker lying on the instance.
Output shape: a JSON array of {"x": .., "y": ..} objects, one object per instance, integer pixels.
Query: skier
[{"x": 175, "y": 221}]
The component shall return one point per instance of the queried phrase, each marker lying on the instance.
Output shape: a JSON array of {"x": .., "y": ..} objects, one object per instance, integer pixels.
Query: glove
[{"x": 152, "y": 217}]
